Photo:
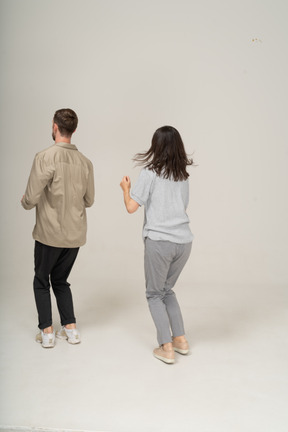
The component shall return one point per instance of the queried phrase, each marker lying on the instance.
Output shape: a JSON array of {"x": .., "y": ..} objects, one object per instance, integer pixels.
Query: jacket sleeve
[
  {"x": 90, "y": 191},
  {"x": 41, "y": 173}
]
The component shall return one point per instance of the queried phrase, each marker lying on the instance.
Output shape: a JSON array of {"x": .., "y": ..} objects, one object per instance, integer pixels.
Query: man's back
[{"x": 67, "y": 177}]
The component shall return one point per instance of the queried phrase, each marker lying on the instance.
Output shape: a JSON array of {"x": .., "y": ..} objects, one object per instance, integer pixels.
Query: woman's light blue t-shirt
[{"x": 165, "y": 202}]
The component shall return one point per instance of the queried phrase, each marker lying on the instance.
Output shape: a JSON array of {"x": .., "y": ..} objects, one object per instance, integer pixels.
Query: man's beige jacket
[{"x": 61, "y": 186}]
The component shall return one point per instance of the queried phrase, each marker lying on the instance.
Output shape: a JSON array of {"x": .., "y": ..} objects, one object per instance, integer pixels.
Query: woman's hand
[
  {"x": 130, "y": 204},
  {"x": 126, "y": 183}
]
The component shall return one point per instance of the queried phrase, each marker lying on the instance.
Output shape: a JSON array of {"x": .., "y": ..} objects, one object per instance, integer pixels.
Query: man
[{"x": 60, "y": 186}]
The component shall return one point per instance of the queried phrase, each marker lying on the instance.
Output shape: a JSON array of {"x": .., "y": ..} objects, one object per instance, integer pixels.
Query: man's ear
[{"x": 55, "y": 128}]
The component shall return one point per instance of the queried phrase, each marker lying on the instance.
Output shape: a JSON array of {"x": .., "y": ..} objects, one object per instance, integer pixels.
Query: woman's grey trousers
[{"x": 163, "y": 263}]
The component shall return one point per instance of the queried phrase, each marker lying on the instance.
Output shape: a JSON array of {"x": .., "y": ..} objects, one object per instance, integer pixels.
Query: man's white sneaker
[
  {"x": 72, "y": 335},
  {"x": 47, "y": 340}
]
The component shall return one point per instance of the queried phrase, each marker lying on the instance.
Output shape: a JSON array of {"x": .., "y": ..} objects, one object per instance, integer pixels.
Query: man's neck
[
  {"x": 63, "y": 140},
  {"x": 60, "y": 138}
]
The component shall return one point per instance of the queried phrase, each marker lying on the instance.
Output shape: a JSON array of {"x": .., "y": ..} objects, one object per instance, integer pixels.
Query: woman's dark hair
[
  {"x": 166, "y": 156},
  {"x": 66, "y": 120}
]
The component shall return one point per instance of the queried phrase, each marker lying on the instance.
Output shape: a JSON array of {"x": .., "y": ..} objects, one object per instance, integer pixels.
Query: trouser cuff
[{"x": 68, "y": 321}]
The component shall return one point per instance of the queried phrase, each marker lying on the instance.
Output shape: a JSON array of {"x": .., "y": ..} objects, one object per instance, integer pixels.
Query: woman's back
[{"x": 165, "y": 203}]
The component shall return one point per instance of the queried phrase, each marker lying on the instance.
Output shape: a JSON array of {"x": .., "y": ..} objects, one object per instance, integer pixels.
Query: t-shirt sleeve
[{"x": 141, "y": 190}]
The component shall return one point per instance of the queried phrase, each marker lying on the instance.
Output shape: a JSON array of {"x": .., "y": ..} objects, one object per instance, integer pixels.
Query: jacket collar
[{"x": 66, "y": 145}]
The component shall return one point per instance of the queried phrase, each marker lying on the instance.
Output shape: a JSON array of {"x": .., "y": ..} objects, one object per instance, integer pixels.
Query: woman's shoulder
[{"x": 148, "y": 173}]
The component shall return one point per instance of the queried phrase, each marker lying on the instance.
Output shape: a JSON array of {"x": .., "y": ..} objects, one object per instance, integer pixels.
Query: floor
[{"x": 234, "y": 380}]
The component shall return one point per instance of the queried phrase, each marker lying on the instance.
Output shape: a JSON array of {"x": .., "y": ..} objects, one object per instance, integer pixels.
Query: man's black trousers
[{"x": 53, "y": 265}]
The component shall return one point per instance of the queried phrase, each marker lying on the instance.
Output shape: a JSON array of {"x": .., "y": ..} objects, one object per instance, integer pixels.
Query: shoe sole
[
  {"x": 66, "y": 338},
  {"x": 44, "y": 346},
  {"x": 164, "y": 359},
  {"x": 73, "y": 343},
  {"x": 181, "y": 351}
]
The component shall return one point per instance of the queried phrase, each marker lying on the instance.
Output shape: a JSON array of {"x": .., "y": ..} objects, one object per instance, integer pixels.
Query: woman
[{"x": 163, "y": 189}]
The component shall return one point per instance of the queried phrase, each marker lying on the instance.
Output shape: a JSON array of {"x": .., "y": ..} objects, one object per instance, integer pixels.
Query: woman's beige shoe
[
  {"x": 181, "y": 347},
  {"x": 165, "y": 356}
]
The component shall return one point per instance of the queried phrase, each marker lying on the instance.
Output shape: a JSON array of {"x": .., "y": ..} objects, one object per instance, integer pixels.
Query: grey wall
[{"x": 217, "y": 71}]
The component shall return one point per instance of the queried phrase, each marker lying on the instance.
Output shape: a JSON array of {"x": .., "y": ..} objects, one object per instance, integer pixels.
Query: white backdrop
[{"x": 217, "y": 71}]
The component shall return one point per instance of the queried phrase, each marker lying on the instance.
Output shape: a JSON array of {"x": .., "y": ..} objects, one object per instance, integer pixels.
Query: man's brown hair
[{"x": 66, "y": 120}]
